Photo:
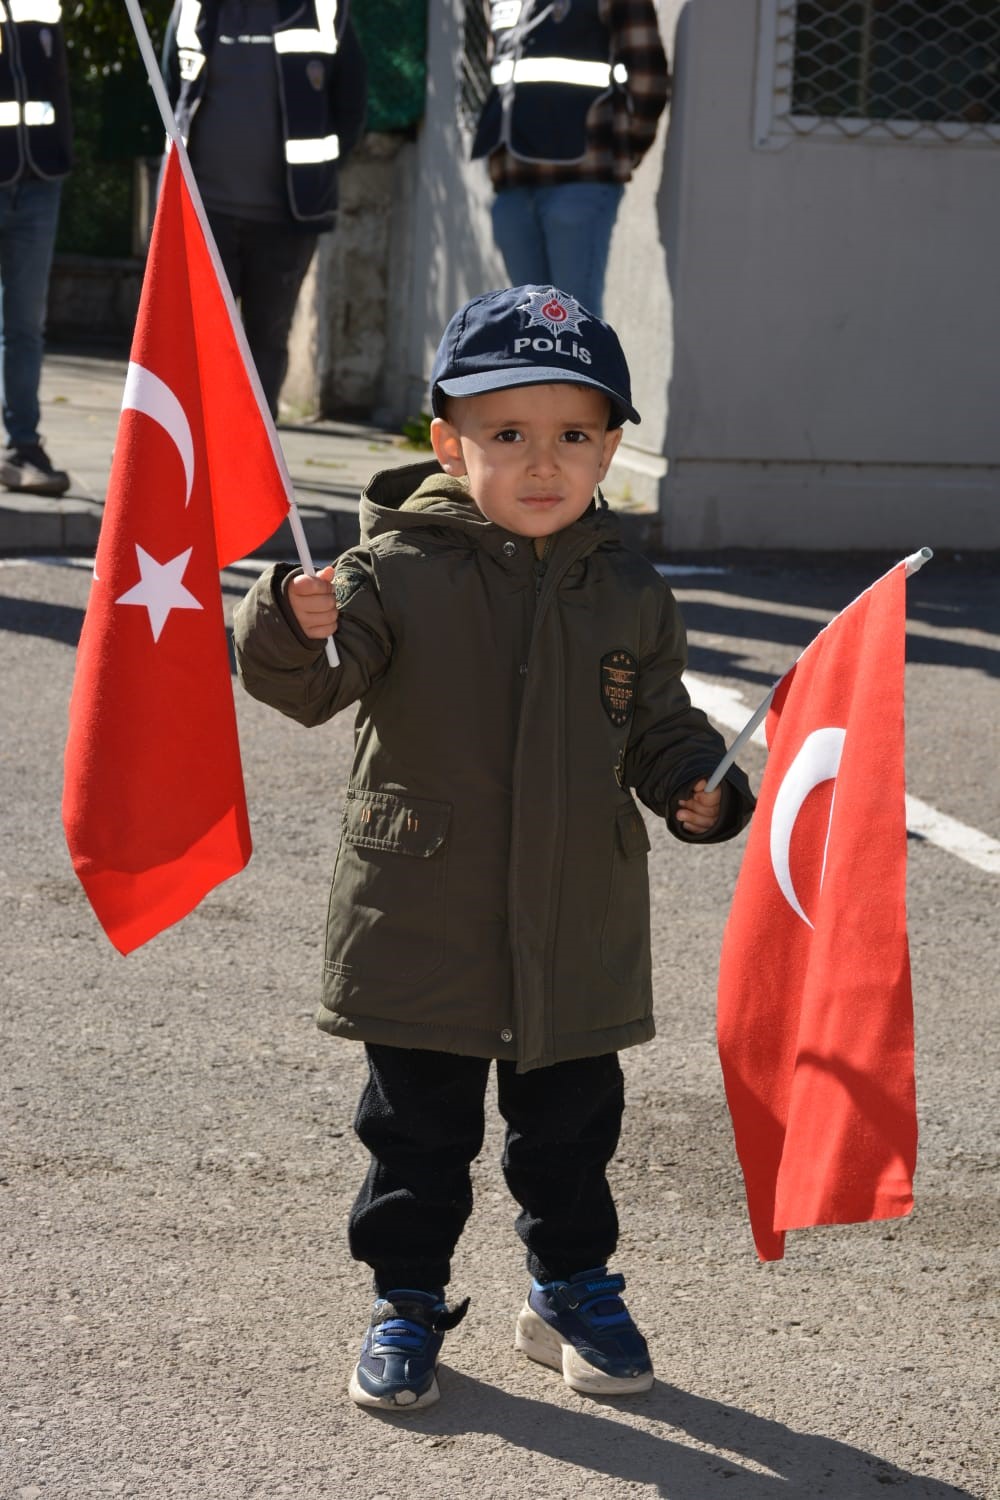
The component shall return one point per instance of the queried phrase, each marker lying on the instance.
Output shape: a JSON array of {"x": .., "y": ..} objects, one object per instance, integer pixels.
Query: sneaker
[
  {"x": 30, "y": 470},
  {"x": 583, "y": 1328},
  {"x": 400, "y": 1351}
]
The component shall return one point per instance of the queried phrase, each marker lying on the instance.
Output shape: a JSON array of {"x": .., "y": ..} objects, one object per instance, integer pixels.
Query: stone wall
[{"x": 347, "y": 327}]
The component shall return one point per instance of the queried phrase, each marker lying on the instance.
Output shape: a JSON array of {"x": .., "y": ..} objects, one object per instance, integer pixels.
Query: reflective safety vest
[
  {"x": 551, "y": 64},
  {"x": 313, "y": 44},
  {"x": 35, "y": 130}
]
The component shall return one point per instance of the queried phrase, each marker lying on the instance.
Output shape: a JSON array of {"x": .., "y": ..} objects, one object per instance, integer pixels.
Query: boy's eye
[
  {"x": 574, "y": 435},
  {"x": 508, "y": 435}
]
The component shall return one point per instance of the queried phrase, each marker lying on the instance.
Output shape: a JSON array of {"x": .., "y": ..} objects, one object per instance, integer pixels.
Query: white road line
[
  {"x": 727, "y": 707},
  {"x": 948, "y": 833}
]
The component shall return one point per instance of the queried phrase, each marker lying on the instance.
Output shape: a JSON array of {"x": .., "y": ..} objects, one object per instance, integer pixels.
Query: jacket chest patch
[
  {"x": 349, "y": 578},
  {"x": 619, "y": 671}
]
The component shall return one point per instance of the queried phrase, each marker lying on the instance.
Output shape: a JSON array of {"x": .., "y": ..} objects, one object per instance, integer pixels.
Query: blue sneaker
[
  {"x": 400, "y": 1351},
  {"x": 583, "y": 1328}
]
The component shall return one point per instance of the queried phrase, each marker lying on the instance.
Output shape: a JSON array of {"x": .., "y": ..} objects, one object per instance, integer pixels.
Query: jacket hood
[{"x": 422, "y": 494}]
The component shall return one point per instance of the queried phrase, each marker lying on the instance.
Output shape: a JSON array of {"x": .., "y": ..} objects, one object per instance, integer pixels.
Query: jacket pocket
[
  {"x": 386, "y": 918},
  {"x": 625, "y": 936}
]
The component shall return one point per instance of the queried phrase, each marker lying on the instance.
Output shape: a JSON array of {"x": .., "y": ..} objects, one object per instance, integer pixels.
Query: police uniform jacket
[
  {"x": 322, "y": 87},
  {"x": 551, "y": 64},
  {"x": 35, "y": 126},
  {"x": 490, "y": 894}
]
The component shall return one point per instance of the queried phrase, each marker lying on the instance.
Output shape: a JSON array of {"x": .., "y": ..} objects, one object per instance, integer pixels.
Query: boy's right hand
[{"x": 313, "y": 604}]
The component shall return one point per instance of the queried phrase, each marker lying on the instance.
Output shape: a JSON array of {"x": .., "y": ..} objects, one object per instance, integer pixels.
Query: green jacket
[{"x": 490, "y": 894}]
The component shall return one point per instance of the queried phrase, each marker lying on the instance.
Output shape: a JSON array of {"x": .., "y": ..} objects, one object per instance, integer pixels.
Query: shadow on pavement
[
  {"x": 63, "y": 622},
  {"x": 946, "y": 595},
  {"x": 800, "y": 1466},
  {"x": 56, "y": 622}
]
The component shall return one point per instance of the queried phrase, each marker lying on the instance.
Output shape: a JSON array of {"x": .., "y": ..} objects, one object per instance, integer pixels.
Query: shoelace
[{"x": 400, "y": 1333}]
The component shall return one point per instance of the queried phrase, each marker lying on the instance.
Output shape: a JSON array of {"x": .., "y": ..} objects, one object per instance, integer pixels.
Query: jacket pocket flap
[
  {"x": 632, "y": 834},
  {"x": 401, "y": 824}
]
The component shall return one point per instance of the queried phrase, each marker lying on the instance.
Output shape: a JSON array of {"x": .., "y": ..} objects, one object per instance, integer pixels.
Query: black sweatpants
[{"x": 422, "y": 1117}]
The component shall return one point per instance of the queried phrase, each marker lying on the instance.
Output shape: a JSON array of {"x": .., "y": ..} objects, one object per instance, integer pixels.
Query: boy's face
[{"x": 534, "y": 454}]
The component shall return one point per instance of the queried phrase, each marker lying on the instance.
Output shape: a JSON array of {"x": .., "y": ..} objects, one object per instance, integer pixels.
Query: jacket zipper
[{"x": 541, "y": 563}]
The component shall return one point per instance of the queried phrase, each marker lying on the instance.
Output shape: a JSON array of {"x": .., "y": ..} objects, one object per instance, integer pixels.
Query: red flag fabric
[
  {"x": 815, "y": 1014},
  {"x": 153, "y": 801}
]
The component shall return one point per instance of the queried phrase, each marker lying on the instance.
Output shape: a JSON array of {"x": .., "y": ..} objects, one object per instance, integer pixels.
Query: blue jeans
[
  {"x": 29, "y": 213},
  {"x": 558, "y": 236}
]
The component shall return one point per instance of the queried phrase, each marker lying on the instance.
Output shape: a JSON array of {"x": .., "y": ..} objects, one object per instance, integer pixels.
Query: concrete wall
[
  {"x": 836, "y": 326},
  {"x": 344, "y": 340},
  {"x": 451, "y": 242}
]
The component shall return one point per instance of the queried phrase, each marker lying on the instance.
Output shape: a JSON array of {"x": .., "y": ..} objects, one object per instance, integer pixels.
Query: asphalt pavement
[{"x": 179, "y": 1312}]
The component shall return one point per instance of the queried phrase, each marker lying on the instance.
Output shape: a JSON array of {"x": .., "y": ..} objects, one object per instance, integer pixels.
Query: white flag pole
[
  {"x": 170, "y": 126},
  {"x": 912, "y": 564}
]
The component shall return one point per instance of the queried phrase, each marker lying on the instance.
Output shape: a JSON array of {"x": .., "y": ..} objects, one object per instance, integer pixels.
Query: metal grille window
[{"x": 882, "y": 69}]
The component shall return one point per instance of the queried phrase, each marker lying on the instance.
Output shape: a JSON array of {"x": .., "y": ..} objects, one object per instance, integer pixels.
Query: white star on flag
[{"x": 160, "y": 588}]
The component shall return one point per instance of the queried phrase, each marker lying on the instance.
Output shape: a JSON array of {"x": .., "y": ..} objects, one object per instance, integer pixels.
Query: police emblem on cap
[
  {"x": 316, "y": 73},
  {"x": 556, "y": 311},
  {"x": 619, "y": 671}
]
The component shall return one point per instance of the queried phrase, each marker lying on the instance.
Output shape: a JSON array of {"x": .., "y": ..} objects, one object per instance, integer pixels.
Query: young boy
[{"x": 518, "y": 672}]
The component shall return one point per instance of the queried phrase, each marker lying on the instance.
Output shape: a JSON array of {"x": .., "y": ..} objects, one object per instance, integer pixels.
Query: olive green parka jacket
[{"x": 490, "y": 894}]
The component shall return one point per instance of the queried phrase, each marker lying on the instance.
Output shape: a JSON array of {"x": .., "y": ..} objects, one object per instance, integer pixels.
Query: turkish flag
[
  {"x": 153, "y": 801},
  {"x": 815, "y": 1013}
]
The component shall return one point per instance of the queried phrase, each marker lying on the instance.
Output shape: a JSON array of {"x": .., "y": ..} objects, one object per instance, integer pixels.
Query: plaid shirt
[{"x": 621, "y": 128}]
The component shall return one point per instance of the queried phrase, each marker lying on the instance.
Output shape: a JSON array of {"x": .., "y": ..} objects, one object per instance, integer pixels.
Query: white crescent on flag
[
  {"x": 817, "y": 760},
  {"x": 147, "y": 393}
]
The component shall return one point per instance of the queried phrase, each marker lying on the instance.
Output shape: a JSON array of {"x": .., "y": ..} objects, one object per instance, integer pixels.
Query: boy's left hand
[{"x": 699, "y": 812}]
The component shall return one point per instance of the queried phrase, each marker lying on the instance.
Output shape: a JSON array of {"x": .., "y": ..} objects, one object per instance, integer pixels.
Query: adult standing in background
[
  {"x": 35, "y": 155},
  {"x": 270, "y": 96},
  {"x": 577, "y": 89}
]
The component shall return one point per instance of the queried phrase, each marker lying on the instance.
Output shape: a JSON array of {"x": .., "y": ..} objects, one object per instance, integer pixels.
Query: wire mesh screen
[
  {"x": 474, "y": 79},
  {"x": 393, "y": 35},
  {"x": 898, "y": 60},
  {"x": 885, "y": 70}
]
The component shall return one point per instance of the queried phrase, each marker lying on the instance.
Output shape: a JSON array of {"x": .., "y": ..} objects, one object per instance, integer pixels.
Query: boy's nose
[{"x": 542, "y": 459}]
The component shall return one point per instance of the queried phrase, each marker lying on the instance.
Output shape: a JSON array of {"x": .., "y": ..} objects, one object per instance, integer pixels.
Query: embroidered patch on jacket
[
  {"x": 619, "y": 670},
  {"x": 348, "y": 580}
]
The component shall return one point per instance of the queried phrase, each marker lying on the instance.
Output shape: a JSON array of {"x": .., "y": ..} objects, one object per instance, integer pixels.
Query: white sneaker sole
[
  {"x": 402, "y": 1403},
  {"x": 540, "y": 1342}
]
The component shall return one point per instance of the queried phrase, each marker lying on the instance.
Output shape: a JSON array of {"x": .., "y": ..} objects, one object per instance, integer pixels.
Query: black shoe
[{"x": 29, "y": 470}]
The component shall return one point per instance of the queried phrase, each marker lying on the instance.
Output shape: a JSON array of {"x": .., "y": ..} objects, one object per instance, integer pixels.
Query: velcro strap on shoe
[
  {"x": 569, "y": 1294},
  {"x": 450, "y": 1317}
]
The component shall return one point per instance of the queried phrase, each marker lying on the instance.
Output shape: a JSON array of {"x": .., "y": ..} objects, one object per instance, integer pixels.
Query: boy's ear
[
  {"x": 612, "y": 438},
  {"x": 447, "y": 447}
]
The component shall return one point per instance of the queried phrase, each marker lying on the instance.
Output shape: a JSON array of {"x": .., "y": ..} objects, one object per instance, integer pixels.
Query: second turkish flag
[{"x": 815, "y": 1017}]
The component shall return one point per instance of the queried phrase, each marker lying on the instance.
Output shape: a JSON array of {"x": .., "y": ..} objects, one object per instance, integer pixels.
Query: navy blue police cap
[{"x": 530, "y": 335}]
